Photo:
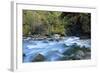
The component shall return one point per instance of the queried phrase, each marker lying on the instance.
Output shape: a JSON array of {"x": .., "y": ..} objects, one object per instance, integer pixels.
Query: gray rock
[
  {"x": 87, "y": 55},
  {"x": 38, "y": 58},
  {"x": 79, "y": 54}
]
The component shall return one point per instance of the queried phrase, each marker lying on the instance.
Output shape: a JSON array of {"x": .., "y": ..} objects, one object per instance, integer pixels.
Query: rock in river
[
  {"x": 39, "y": 57},
  {"x": 79, "y": 54}
]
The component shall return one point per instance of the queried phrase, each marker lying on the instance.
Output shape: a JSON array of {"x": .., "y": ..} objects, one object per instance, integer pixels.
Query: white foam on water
[{"x": 53, "y": 49}]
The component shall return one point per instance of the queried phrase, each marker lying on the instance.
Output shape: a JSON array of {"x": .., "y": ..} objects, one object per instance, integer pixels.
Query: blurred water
[{"x": 51, "y": 50}]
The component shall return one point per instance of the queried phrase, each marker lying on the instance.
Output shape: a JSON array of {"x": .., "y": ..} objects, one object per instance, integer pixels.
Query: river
[{"x": 51, "y": 50}]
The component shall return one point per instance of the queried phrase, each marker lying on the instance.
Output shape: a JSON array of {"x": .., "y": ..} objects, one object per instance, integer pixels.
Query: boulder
[
  {"x": 87, "y": 55},
  {"x": 56, "y": 36},
  {"x": 74, "y": 53},
  {"x": 39, "y": 57},
  {"x": 79, "y": 54}
]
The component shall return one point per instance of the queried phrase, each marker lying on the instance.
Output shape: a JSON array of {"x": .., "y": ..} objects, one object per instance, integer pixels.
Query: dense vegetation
[{"x": 47, "y": 23}]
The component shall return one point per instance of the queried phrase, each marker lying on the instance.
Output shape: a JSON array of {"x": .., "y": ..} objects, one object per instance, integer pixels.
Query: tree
[
  {"x": 43, "y": 22},
  {"x": 77, "y": 24},
  {"x": 53, "y": 22}
]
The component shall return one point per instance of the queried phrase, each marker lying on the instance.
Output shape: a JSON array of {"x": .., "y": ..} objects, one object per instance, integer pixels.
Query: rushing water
[{"x": 52, "y": 50}]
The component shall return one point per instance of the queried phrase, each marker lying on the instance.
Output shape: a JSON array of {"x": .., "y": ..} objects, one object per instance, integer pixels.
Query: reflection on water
[{"x": 46, "y": 50}]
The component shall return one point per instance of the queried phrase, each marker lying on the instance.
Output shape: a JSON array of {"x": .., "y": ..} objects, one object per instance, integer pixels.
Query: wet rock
[
  {"x": 38, "y": 58},
  {"x": 65, "y": 57},
  {"x": 51, "y": 39},
  {"x": 56, "y": 36},
  {"x": 79, "y": 54},
  {"x": 87, "y": 55},
  {"x": 72, "y": 49}
]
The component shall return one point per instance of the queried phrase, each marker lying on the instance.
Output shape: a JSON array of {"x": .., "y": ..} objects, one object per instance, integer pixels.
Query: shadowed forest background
[{"x": 47, "y": 23}]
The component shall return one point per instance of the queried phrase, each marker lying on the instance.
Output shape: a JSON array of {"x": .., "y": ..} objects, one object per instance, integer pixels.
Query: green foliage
[
  {"x": 50, "y": 22},
  {"x": 42, "y": 22},
  {"x": 26, "y": 30},
  {"x": 77, "y": 24}
]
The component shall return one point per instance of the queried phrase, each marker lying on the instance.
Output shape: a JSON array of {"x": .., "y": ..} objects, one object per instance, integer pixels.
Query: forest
[{"x": 48, "y": 23}]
